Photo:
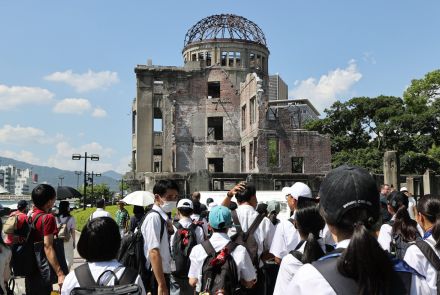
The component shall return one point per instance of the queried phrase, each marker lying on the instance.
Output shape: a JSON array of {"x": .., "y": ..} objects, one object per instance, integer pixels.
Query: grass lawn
[{"x": 82, "y": 216}]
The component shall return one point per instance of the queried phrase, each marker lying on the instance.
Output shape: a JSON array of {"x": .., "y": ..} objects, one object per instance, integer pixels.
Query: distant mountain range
[{"x": 69, "y": 178}]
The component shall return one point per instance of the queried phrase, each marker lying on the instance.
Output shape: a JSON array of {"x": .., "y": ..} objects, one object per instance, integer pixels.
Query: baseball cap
[
  {"x": 298, "y": 189},
  {"x": 22, "y": 204},
  {"x": 403, "y": 189},
  {"x": 220, "y": 217},
  {"x": 348, "y": 187},
  {"x": 185, "y": 203}
]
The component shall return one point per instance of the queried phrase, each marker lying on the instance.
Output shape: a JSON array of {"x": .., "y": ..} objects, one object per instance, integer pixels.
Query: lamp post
[
  {"x": 61, "y": 179},
  {"x": 91, "y": 179},
  {"x": 85, "y": 157},
  {"x": 78, "y": 173}
]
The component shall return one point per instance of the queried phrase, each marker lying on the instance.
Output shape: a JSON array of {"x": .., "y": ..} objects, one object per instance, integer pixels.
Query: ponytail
[
  {"x": 404, "y": 225},
  {"x": 312, "y": 249},
  {"x": 429, "y": 207},
  {"x": 364, "y": 260}
]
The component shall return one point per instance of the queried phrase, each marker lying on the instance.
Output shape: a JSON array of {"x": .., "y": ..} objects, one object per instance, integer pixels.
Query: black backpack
[
  {"x": 131, "y": 253},
  {"x": 221, "y": 276},
  {"x": 247, "y": 239},
  {"x": 183, "y": 242},
  {"x": 88, "y": 286},
  {"x": 23, "y": 261},
  {"x": 432, "y": 257}
]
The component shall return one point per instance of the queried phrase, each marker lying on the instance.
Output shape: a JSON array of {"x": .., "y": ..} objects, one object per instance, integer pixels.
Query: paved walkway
[{"x": 77, "y": 260}]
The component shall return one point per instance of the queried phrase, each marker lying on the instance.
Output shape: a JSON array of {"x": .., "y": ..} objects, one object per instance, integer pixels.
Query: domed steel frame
[{"x": 225, "y": 26}]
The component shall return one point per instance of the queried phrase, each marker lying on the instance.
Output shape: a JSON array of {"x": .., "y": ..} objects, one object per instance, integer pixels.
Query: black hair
[
  {"x": 100, "y": 203},
  {"x": 309, "y": 223},
  {"x": 429, "y": 207},
  {"x": 403, "y": 225},
  {"x": 161, "y": 187},
  {"x": 246, "y": 194},
  {"x": 63, "y": 209},
  {"x": 364, "y": 260},
  {"x": 138, "y": 210},
  {"x": 185, "y": 211},
  {"x": 222, "y": 230},
  {"x": 304, "y": 202},
  {"x": 273, "y": 217},
  {"x": 232, "y": 206},
  {"x": 262, "y": 208},
  {"x": 100, "y": 240},
  {"x": 397, "y": 200},
  {"x": 42, "y": 194},
  {"x": 209, "y": 201},
  {"x": 197, "y": 207}
]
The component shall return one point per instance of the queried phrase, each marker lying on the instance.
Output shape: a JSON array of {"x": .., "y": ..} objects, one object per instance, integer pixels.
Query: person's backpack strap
[
  {"x": 162, "y": 223},
  {"x": 432, "y": 258},
  {"x": 129, "y": 276},
  {"x": 253, "y": 226},
  {"x": 84, "y": 276},
  {"x": 209, "y": 249},
  {"x": 236, "y": 221},
  {"x": 177, "y": 225}
]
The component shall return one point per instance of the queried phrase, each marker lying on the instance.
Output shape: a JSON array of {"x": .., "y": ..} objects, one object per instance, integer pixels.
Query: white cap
[
  {"x": 185, "y": 203},
  {"x": 212, "y": 205},
  {"x": 403, "y": 189},
  {"x": 299, "y": 189}
]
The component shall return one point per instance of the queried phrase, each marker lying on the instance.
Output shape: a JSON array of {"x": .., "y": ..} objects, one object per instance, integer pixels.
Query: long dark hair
[
  {"x": 63, "y": 209},
  {"x": 309, "y": 223},
  {"x": 403, "y": 224},
  {"x": 429, "y": 207},
  {"x": 364, "y": 260}
]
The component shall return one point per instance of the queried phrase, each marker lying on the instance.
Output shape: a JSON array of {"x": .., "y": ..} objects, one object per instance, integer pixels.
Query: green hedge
[{"x": 82, "y": 216}]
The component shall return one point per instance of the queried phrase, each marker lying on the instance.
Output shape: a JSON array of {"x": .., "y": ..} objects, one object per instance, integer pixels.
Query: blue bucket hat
[{"x": 220, "y": 217}]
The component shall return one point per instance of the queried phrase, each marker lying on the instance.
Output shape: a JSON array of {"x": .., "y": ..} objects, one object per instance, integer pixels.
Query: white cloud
[
  {"x": 99, "y": 113},
  {"x": 23, "y": 155},
  {"x": 72, "y": 106},
  {"x": 369, "y": 57},
  {"x": 22, "y": 135},
  {"x": 323, "y": 92},
  {"x": 85, "y": 82},
  {"x": 15, "y": 96},
  {"x": 123, "y": 165}
]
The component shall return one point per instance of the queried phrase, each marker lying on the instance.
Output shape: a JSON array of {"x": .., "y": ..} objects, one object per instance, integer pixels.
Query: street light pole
[
  {"x": 78, "y": 173},
  {"x": 92, "y": 179},
  {"x": 85, "y": 157},
  {"x": 61, "y": 179}
]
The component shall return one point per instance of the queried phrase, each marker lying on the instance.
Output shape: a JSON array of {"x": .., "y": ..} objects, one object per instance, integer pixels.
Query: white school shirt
[
  {"x": 411, "y": 205},
  {"x": 97, "y": 268},
  {"x": 245, "y": 268},
  {"x": 285, "y": 239},
  {"x": 385, "y": 235},
  {"x": 186, "y": 222},
  {"x": 151, "y": 232},
  {"x": 100, "y": 212},
  {"x": 415, "y": 258},
  {"x": 263, "y": 234},
  {"x": 71, "y": 224}
]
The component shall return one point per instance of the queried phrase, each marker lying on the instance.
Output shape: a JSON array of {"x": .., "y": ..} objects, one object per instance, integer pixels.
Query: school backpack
[
  {"x": 247, "y": 239},
  {"x": 131, "y": 253},
  {"x": 63, "y": 230},
  {"x": 183, "y": 242},
  {"x": 219, "y": 270},
  {"x": 432, "y": 257},
  {"x": 10, "y": 225},
  {"x": 87, "y": 285}
]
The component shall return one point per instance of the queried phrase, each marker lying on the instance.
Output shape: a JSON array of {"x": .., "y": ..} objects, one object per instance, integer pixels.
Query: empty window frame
[
  {"x": 251, "y": 155},
  {"x": 297, "y": 165},
  {"x": 157, "y": 120},
  {"x": 201, "y": 56},
  {"x": 214, "y": 89},
  {"x": 208, "y": 58},
  {"x": 263, "y": 63},
  {"x": 231, "y": 59},
  {"x": 252, "y": 60},
  {"x": 243, "y": 117},
  {"x": 252, "y": 111},
  {"x": 193, "y": 57},
  {"x": 157, "y": 160},
  {"x": 215, "y": 128},
  {"x": 133, "y": 160},
  {"x": 224, "y": 57},
  {"x": 259, "y": 61},
  {"x": 243, "y": 159},
  {"x": 238, "y": 59},
  {"x": 215, "y": 164},
  {"x": 133, "y": 122},
  {"x": 273, "y": 151}
]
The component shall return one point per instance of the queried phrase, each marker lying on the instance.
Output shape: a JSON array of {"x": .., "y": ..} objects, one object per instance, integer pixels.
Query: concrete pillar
[
  {"x": 410, "y": 184},
  {"x": 429, "y": 182},
  {"x": 391, "y": 169}
]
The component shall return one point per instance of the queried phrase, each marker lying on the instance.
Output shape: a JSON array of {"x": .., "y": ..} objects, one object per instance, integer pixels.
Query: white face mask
[{"x": 168, "y": 206}]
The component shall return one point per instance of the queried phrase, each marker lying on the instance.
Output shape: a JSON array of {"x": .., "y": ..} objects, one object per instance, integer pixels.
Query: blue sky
[{"x": 67, "y": 67}]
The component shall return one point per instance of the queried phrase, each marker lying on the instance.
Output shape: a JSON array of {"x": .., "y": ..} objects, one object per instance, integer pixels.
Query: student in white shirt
[
  {"x": 179, "y": 285},
  {"x": 220, "y": 221},
  {"x": 349, "y": 203},
  {"x": 286, "y": 236},
  {"x": 400, "y": 226},
  {"x": 99, "y": 245},
  {"x": 245, "y": 193},
  {"x": 428, "y": 217},
  {"x": 100, "y": 212},
  {"x": 64, "y": 217},
  {"x": 309, "y": 224},
  {"x": 157, "y": 246}
]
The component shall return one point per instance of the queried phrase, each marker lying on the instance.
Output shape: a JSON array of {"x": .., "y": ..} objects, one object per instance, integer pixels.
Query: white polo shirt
[
  {"x": 385, "y": 236},
  {"x": 245, "y": 269},
  {"x": 97, "y": 268},
  {"x": 415, "y": 258},
  {"x": 186, "y": 222},
  {"x": 100, "y": 212},
  {"x": 288, "y": 268},
  {"x": 285, "y": 239},
  {"x": 265, "y": 231},
  {"x": 151, "y": 232}
]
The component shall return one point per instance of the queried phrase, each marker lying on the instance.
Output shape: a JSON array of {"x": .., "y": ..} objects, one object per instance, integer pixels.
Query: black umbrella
[{"x": 67, "y": 192}]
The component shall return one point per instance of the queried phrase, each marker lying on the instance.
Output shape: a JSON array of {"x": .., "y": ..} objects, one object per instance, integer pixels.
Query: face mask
[{"x": 168, "y": 206}]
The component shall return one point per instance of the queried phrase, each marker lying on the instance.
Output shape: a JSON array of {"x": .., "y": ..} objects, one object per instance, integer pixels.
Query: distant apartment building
[{"x": 16, "y": 181}]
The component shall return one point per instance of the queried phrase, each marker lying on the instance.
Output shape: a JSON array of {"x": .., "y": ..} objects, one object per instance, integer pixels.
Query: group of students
[{"x": 333, "y": 244}]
